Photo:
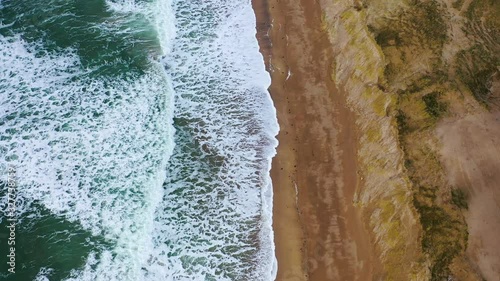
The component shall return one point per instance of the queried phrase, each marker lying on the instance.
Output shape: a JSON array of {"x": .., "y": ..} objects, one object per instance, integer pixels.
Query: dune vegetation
[{"x": 406, "y": 66}]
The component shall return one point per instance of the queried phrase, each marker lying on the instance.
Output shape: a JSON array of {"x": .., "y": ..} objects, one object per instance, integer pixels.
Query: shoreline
[{"x": 318, "y": 233}]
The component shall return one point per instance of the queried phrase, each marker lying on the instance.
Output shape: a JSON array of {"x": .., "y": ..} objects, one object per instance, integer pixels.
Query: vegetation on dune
[
  {"x": 402, "y": 122},
  {"x": 415, "y": 62},
  {"x": 413, "y": 44},
  {"x": 458, "y": 4},
  {"x": 442, "y": 239},
  {"x": 476, "y": 68},
  {"x": 433, "y": 105},
  {"x": 445, "y": 231},
  {"x": 422, "y": 23},
  {"x": 459, "y": 198},
  {"x": 478, "y": 64}
]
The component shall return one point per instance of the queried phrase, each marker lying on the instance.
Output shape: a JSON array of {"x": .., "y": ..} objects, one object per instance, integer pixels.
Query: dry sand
[
  {"x": 319, "y": 234},
  {"x": 471, "y": 154}
]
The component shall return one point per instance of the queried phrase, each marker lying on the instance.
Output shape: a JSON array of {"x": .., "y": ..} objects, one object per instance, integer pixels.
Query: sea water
[{"x": 139, "y": 135}]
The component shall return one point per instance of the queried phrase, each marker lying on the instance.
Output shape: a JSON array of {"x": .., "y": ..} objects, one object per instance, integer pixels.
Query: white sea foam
[
  {"x": 215, "y": 220},
  {"x": 158, "y": 12},
  {"x": 92, "y": 150},
  {"x": 43, "y": 274}
]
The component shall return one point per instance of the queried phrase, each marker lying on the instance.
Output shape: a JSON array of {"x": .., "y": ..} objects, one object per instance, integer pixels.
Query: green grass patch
[
  {"x": 480, "y": 84},
  {"x": 459, "y": 198},
  {"x": 487, "y": 10},
  {"x": 433, "y": 105},
  {"x": 385, "y": 37},
  {"x": 428, "y": 18},
  {"x": 443, "y": 237},
  {"x": 420, "y": 84},
  {"x": 476, "y": 69},
  {"x": 402, "y": 122},
  {"x": 423, "y": 21},
  {"x": 458, "y": 4}
]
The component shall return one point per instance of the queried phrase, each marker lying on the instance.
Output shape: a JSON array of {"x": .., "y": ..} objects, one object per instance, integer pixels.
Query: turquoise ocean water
[{"x": 135, "y": 141}]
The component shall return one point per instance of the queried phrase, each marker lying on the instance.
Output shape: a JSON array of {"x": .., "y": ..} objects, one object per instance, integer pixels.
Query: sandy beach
[{"x": 319, "y": 234}]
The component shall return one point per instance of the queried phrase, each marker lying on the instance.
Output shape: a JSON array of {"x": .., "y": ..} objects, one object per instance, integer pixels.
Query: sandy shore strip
[{"x": 319, "y": 234}]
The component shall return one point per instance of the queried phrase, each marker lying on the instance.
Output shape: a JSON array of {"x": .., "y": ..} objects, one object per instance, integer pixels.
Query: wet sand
[{"x": 319, "y": 234}]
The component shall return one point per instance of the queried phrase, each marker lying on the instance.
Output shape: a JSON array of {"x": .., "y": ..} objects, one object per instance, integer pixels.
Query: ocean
[{"x": 136, "y": 140}]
